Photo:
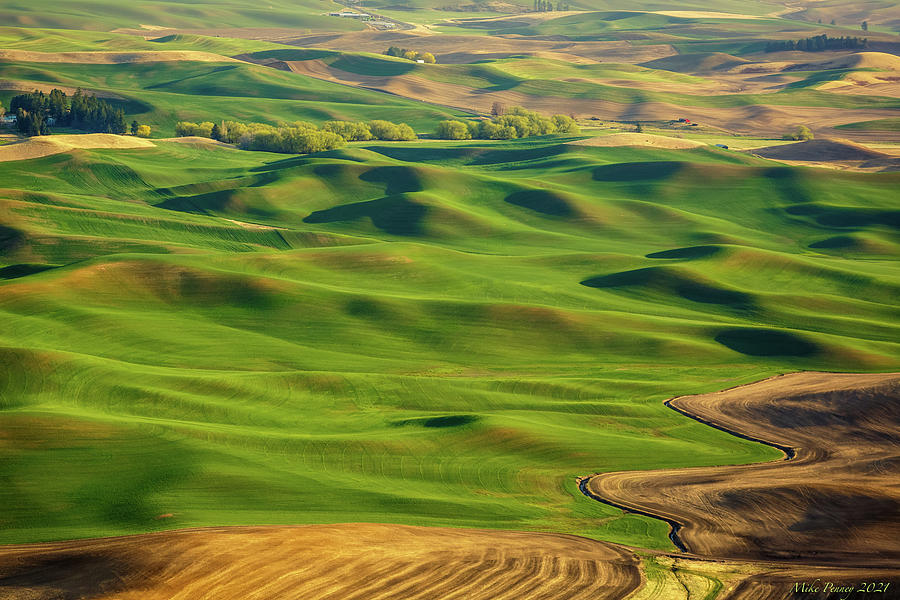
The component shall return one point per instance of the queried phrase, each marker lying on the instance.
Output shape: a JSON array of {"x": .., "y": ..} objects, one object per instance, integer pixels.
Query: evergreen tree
[
  {"x": 58, "y": 105},
  {"x": 134, "y": 127},
  {"x": 865, "y": 25},
  {"x": 216, "y": 132}
]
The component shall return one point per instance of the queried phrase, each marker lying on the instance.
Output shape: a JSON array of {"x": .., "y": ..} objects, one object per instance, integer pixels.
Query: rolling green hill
[
  {"x": 105, "y": 15},
  {"x": 877, "y": 125},
  {"x": 162, "y": 93},
  {"x": 67, "y": 40},
  {"x": 545, "y": 78},
  {"x": 420, "y": 333}
]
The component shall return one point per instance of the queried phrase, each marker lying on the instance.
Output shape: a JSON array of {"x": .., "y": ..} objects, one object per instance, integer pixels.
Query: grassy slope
[
  {"x": 105, "y": 15},
  {"x": 440, "y": 334},
  {"x": 643, "y": 27},
  {"x": 877, "y": 125},
  {"x": 412, "y": 7},
  {"x": 162, "y": 93},
  {"x": 64, "y": 40},
  {"x": 547, "y": 78}
]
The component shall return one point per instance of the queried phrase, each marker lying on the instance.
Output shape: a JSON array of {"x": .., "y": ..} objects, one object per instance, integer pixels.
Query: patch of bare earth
[
  {"x": 836, "y": 502},
  {"x": 22, "y": 85},
  {"x": 639, "y": 139},
  {"x": 347, "y": 561},
  {"x": 833, "y": 153},
  {"x": 41, "y": 146}
]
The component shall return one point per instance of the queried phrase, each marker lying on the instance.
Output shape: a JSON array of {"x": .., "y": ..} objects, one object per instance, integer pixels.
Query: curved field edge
[
  {"x": 834, "y": 477},
  {"x": 351, "y": 561}
]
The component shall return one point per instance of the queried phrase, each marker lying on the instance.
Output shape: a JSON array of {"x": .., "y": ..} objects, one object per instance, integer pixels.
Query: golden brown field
[{"x": 348, "y": 561}]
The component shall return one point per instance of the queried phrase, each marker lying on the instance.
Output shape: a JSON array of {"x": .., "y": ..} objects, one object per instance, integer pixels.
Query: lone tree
[
  {"x": 865, "y": 25},
  {"x": 497, "y": 109},
  {"x": 801, "y": 133},
  {"x": 638, "y": 128},
  {"x": 143, "y": 131}
]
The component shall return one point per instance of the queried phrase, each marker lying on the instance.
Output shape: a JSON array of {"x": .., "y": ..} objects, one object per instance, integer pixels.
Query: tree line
[
  {"x": 36, "y": 110},
  {"x": 547, "y": 6},
  {"x": 408, "y": 54},
  {"x": 819, "y": 43},
  {"x": 514, "y": 123},
  {"x": 299, "y": 137}
]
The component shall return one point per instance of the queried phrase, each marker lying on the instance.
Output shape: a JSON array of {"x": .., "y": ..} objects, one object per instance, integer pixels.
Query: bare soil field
[
  {"x": 701, "y": 14},
  {"x": 835, "y": 154},
  {"x": 348, "y": 561},
  {"x": 639, "y": 139},
  {"x": 835, "y": 502},
  {"x": 21, "y": 85},
  {"x": 38, "y": 147}
]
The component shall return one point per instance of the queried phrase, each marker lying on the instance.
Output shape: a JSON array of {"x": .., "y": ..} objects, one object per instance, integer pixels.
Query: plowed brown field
[
  {"x": 347, "y": 562},
  {"x": 836, "y": 501}
]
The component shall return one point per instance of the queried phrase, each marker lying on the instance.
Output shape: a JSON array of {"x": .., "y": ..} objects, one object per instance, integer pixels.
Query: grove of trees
[
  {"x": 34, "y": 111},
  {"x": 516, "y": 122},
  {"x": 547, "y": 6},
  {"x": 299, "y": 137},
  {"x": 427, "y": 57},
  {"x": 819, "y": 43}
]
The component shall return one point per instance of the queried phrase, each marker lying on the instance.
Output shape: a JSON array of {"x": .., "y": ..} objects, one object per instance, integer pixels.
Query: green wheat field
[{"x": 430, "y": 332}]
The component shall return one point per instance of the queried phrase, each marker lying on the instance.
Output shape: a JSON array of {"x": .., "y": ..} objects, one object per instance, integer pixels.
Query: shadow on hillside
[
  {"x": 639, "y": 171},
  {"x": 470, "y": 155},
  {"x": 666, "y": 281},
  {"x": 689, "y": 253},
  {"x": 10, "y": 239},
  {"x": 841, "y": 216},
  {"x": 766, "y": 342},
  {"x": 397, "y": 180},
  {"x": 440, "y": 422},
  {"x": 542, "y": 201},
  {"x": 396, "y": 215},
  {"x": 23, "y": 270}
]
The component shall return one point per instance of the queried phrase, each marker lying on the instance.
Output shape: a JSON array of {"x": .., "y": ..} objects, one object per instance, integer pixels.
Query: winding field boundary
[
  {"x": 675, "y": 526},
  {"x": 833, "y": 428}
]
